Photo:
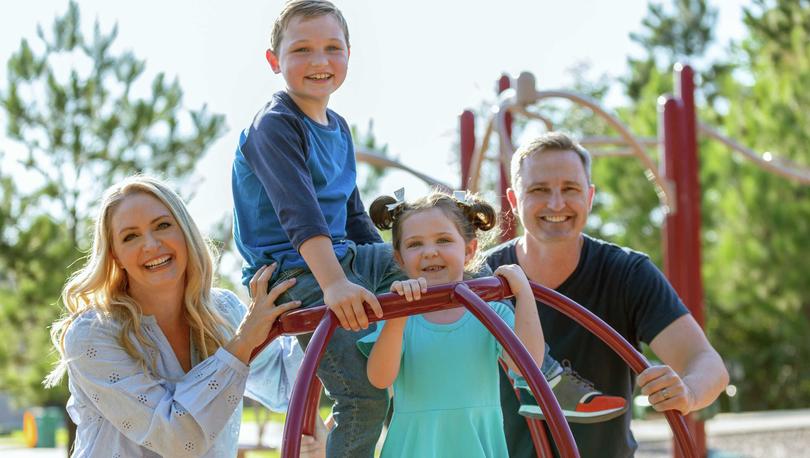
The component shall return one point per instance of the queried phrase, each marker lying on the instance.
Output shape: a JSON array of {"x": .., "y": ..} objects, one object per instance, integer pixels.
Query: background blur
[{"x": 94, "y": 91}]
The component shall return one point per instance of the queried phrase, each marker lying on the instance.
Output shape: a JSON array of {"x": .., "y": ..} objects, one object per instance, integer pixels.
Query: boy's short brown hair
[{"x": 307, "y": 9}]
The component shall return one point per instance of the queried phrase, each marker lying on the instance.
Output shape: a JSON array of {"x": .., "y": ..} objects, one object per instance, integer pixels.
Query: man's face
[
  {"x": 552, "y": 196},
  {"x": 313, "y": 58}
]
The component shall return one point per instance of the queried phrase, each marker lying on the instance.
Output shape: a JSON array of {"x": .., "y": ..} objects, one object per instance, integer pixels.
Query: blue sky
[{"x": 414, "y": 66}]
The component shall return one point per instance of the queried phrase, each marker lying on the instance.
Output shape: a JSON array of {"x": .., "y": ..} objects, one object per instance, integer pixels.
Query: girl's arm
[
  {"x": 527, "y": 321},
  {"x": 383, "y": 362}
]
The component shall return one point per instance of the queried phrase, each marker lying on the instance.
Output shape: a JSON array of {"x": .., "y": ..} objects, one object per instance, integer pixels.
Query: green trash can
[{"x": 46, "y": 420}]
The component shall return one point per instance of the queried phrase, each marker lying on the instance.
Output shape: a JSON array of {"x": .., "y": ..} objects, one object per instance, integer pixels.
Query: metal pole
[
  {"x": 467, "y": 134},
  {"x": 682, "y": 258},
  {"x": 508, "y": 227}
]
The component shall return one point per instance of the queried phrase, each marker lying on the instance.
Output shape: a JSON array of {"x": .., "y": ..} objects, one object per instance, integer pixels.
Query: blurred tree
[
  {"x": 69, "y": 102},
  {"x": 756, "y": 260}
]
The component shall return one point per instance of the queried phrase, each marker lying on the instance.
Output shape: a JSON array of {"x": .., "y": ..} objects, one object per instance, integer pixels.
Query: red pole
[
  {"x": 467, "y": 134},
  {"x": 508, "y": 228},
  {"x": 682, "y": 258}
]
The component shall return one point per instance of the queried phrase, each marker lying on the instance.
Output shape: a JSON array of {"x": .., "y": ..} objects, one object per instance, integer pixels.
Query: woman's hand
[
  {"x": 412, "y": 289},
  {"x": 262, "y": 313}
]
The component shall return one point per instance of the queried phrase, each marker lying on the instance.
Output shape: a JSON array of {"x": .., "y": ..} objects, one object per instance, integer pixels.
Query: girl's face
[
  {"x": 432, "y": 247},
  {"x": 148, "y": 243}
]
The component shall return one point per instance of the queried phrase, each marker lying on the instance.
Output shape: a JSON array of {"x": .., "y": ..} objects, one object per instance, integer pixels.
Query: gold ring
[{"x": 665, "y": 393}]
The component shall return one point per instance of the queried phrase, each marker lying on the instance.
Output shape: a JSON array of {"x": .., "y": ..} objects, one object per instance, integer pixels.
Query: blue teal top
[
  {"x": 294, "y": 179},
  {"x": 446, "y": 393},
  {"x": 122, "y": 411}
]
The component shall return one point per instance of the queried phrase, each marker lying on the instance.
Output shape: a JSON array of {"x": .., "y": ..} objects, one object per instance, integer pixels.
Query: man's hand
[
  {"x": 665, "y": 389},
  {"x": 346, "y": 299}
]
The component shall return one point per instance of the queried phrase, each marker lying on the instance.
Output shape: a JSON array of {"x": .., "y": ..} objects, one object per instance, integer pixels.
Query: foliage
[{"x": 69, "y": 101}]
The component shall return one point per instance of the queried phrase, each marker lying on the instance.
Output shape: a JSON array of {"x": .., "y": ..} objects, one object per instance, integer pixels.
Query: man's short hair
[
  {"x": 550, "y": 141},
  {"x": 306, "y": 9}
]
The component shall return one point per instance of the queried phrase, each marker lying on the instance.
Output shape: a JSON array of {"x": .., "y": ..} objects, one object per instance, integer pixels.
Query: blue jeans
[{"x": 359, "y": 408}]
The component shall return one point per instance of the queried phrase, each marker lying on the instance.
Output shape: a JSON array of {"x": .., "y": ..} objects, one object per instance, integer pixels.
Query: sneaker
[{"x": 579, "y": 400}]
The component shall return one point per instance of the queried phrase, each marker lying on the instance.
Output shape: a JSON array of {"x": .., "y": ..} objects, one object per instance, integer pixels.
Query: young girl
[{"x": 443, "y": 364}]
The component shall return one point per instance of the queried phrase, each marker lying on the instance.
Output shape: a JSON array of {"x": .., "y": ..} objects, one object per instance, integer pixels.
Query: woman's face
[{"x": 148, "y": 244}]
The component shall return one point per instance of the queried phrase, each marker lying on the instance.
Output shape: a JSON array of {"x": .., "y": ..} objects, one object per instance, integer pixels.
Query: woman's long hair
[{"x": 101, "y": 285}]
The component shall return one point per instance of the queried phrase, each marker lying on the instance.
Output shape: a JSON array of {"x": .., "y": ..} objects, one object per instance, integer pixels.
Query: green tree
[
  {"x": 756, "y": 263},
  {"x": 69, "y": 101}
]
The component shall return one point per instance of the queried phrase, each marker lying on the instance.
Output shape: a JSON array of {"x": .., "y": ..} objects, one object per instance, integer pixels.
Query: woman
[{"x": 157, "y": 359}]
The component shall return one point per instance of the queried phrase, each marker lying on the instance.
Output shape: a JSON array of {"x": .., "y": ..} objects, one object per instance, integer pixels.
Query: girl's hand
[
  {"x": 516, "y": 278},
  {"x": 412, "y": 289},
  {"x": 262, "y": 313}
]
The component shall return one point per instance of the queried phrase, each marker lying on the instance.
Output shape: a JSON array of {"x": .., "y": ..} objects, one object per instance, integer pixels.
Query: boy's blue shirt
[{"x": 294, "y": 179}]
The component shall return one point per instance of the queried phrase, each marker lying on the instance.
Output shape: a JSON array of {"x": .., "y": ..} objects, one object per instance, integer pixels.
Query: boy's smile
[{"x": 313, "y": 58}]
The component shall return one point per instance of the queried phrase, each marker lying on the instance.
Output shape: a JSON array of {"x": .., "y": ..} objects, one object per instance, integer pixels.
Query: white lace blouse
[{"x": 121, "y": 411}]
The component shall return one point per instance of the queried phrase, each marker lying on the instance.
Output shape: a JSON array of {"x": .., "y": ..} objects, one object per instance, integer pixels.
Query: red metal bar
[
  {"x": 542, "y": 447},
  {"x": 508, "y": 226},
  {"x": 439, "y": 298},
  {"x": 682, "y": 257},
  {"x": 618, "y": 344},
  {"x": 467, "y": 136},
  {"x": 537, "y": 382},
  {"x": 304, "y": 399}
]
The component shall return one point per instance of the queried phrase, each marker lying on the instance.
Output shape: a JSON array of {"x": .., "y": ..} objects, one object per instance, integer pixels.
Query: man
[{"x": 552, "y": 194}]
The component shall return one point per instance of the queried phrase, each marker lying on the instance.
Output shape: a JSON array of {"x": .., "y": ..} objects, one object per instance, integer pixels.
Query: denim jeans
[{"x": 359, "y": 408}]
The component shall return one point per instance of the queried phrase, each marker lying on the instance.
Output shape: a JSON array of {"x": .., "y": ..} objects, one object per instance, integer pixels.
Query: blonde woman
[{"x": 157, "y": 359}]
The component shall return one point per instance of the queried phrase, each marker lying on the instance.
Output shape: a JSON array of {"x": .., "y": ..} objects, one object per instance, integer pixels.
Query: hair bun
[{"x": 379, "y": 213}]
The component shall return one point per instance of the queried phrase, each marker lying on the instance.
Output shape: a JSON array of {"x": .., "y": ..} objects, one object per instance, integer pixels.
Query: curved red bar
[
  {"x": 616, "y": 342},
  {"x": 514, "y": 347},
  {"x": 439, "y": 298}
]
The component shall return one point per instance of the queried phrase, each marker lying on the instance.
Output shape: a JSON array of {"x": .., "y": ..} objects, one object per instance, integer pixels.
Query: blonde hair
[
  {"x": 473, "y": 217},
  {"x": 101, "y": 285},
  {"x": 305, "y": 9}
]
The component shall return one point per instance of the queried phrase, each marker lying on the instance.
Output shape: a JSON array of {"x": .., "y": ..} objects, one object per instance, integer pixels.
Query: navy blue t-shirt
[
  {"x": 294, "y": 179},
  {"x": 623, "y": 288}
]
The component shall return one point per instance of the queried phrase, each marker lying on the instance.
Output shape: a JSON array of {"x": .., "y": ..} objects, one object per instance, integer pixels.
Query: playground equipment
[
  {"x": 675, "y": 182},
  {"x": 470, "y": 294}
]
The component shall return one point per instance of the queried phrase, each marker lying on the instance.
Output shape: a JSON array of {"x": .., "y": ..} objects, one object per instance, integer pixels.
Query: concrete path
[{"x": 778, "y": 430}]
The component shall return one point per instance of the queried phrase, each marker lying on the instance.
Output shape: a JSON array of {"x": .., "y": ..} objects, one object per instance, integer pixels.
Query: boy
[{"x": 296, "y": 204}]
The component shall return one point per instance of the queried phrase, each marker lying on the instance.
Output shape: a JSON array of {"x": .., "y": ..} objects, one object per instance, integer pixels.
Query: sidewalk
[{"x": 786, "y": 426}]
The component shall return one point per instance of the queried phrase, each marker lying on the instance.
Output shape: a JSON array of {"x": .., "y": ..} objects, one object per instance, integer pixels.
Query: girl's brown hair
[{"x": 471, "y": 216}]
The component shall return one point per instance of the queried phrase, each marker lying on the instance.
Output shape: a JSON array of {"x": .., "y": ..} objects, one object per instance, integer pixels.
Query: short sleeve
[
  {"x": 172, "y": 420},
  {"x": 652, "y": 302},
  {"x": 366, "y": 343},
  {"x": 507, "y": 315},
  {"x": 273, "y": 371}
]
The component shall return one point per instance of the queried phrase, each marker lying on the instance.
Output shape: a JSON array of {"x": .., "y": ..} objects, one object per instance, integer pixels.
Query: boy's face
[{"x": 312, "y": 57}]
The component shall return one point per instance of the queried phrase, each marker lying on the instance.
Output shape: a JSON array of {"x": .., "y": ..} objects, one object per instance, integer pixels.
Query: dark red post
[
  {"x": 682, "y": 258},
  {"x": 508, "y": 228},
  {"x": 467, "y": 133}
]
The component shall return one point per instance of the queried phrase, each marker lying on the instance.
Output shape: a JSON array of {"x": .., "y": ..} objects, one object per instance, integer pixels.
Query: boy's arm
[
  {"x": 339, "y": 294},
  {"x": 275, "y": 152},
  {"x": 383, "y": 362},
  {"x": 359, "y": 228}
]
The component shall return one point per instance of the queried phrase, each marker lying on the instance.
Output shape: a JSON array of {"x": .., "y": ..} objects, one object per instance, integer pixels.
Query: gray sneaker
[{"x": 579, "y": 400}]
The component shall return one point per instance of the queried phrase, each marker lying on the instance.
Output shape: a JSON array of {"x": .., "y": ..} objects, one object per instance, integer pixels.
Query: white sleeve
[
  {"x": 273, "y": 371},
  {"x": 179, "y": 422}
]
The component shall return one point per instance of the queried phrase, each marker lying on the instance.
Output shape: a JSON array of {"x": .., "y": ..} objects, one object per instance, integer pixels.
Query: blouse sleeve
[
  {"x": 273, "y": 371},
  {"x": 172, "y": 422},
  {"x": 366, "y": 343}
]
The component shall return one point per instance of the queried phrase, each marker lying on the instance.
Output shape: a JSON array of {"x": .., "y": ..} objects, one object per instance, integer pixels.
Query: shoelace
[{"x": 567, "y": 369}]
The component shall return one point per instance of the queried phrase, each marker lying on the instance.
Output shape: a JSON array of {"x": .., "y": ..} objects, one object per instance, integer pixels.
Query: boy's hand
[
  {"x": 346, "y": 300},
  {"x": 412, "y": 289},
  {"x": 516, "y": 278}
]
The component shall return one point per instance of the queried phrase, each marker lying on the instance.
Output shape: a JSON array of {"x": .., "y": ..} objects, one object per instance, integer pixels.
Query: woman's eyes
[
  {"x": 164, "y": 225},
  {"x": 129, "y": 237}
]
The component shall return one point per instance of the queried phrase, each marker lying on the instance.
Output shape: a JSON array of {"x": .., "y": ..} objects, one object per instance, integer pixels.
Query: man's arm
[{"x": 693, "y": 374}]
